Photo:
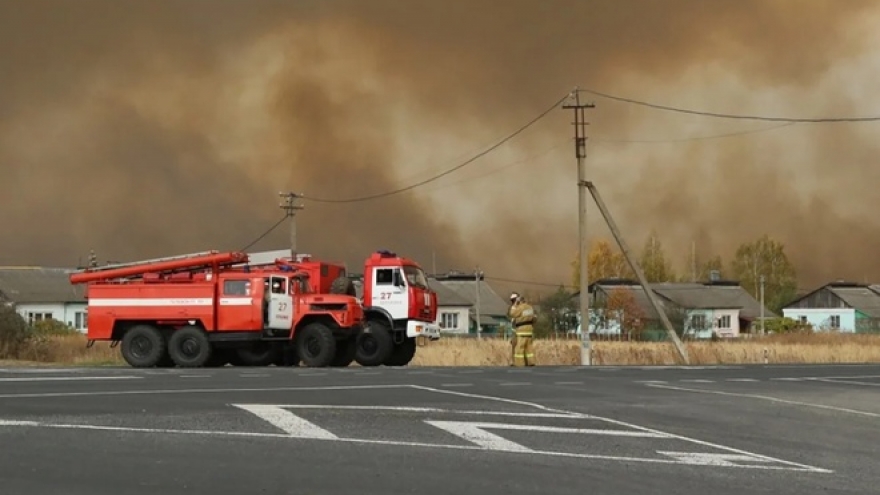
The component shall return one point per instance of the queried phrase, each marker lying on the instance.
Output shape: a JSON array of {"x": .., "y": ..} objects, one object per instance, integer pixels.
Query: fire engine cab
[
  {"x": 399, "y": 304},
  {"x": 212, "y": 308}
]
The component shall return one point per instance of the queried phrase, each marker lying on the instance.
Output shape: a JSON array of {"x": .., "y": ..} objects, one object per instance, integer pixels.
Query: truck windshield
[{"x": 415, "y": 277}]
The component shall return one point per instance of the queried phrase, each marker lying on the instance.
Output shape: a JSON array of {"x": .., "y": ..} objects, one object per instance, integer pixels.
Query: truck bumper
[{"x": 422, "y": 329}]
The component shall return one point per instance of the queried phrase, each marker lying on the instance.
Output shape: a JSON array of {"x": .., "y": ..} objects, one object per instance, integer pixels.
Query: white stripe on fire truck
[{"x": 182, "y": 301}]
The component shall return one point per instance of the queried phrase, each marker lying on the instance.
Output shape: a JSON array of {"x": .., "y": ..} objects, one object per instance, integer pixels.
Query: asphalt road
[{"x": 604, "y": 430}]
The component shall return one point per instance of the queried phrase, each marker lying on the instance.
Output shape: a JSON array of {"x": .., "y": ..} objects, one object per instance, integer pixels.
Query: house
[
  {"x": 492, "y": 307},
  {"x": 44, "y": 294},
  {"x": 839, "y": 306},
  {"x": 702, "y": 310},
  {"x": 453, "y": 310}
]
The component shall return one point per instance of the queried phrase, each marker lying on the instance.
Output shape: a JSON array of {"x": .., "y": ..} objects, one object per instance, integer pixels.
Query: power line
[
  {"x": 264, "y": 234},
  {"x": 728, "y": 115},
  {"x": 695, "y": 138},
  {"x": 527, "y": 282},
  {"x": 448, "y": 171}
]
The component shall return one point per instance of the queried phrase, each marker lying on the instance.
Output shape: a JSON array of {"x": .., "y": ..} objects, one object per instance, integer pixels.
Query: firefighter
[{"x": 522, "y": 317}]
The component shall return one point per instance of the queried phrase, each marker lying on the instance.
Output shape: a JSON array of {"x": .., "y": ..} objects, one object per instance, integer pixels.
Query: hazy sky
[{"x": 147, "y": 129}]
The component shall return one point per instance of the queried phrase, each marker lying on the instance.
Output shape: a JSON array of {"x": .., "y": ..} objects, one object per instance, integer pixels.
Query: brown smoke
[{"x": 144, "y": 130}]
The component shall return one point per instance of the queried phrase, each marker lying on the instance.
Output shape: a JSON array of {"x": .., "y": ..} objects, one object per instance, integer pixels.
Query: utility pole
[
  {"x": 580, "y": 149},
  {"x": 478, "y": 275},
  {"x": 682, "y": 352},
  {"x": 762, "y": 305},
  {"x": 288, "y": 204}
]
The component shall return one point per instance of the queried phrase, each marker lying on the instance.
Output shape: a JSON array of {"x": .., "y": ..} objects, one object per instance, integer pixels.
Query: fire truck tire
[
  {"x": 375, "y": 345},
  {"x": 143, "y": 346},
  {"x": 345, "y": 350},
  {"x": 189, "y": 347},
  {"x": 403, "y": 353},
  {"x": 316, "y": 345},
  {"x": 257, "y": 355},
  {"x": 343, "y": 285}
]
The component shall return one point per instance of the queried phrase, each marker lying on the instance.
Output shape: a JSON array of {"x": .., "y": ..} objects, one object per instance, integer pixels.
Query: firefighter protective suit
[{"x": 523, "y": 317}]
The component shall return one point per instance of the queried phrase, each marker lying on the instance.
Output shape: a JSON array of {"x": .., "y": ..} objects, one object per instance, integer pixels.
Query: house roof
[
  {"x": 448, "y": 297},
  {"x": 690, "y": 295},
  {"x": 490, "y": 302},
  {"x": 862, "y": 297},
  {"x": 35, "y": 285}
]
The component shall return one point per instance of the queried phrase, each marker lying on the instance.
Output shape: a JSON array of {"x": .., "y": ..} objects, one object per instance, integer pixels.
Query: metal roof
[
  {"x": 863, "y": 299},
  {"x": 34, "y": 285},
  {"x": 694, "y": 296},
  {"x": 490, "y": 302}
]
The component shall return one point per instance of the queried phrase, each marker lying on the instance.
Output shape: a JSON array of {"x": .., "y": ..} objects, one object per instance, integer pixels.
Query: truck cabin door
[
  {"x": 390, "y": 292},
  {"x": 280, "y": 303}
]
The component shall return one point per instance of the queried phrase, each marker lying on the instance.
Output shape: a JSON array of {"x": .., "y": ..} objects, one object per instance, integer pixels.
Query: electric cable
[
  {"x": 264, "y": 234},
  {"x": 728, "y": 115},
  {"x": 448, "y": 171}
]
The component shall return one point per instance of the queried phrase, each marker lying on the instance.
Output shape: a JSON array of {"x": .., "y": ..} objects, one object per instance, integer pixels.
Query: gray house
[
  {"x": 492, "y": 307},
  {"x": 838, "y": 306},
  {"x": 700, "y": 310},
  {"x": 44, "y": 294}
]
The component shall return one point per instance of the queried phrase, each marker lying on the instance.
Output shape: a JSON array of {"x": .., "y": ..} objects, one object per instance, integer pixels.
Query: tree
[
  {"x": 558, "y": 310},
  {"x": 653, "y": 262},
  {"x": 621, "y": 306},
  {"x": 766, "y": 256},
  {"x": 604, "y": 261}
]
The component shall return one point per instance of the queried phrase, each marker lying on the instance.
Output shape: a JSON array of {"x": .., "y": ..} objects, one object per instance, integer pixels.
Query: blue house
[{"x": 838, "y": 306}]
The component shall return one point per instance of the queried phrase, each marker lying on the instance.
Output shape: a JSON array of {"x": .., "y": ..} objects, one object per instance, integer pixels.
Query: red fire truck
[
  {"x": 212, "y": 308},
  {"x": 399, "y": 305}
]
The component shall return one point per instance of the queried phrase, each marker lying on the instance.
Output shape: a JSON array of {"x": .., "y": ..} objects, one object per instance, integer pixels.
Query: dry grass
[{"x": 816, "y": 348}]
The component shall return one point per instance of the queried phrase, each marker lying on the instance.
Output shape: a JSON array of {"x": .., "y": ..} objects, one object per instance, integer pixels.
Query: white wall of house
[
  {"x": 453, "y": 319},
  {"x": 73, "y": 314},
  {"x": 838, "y": 319},
  {"x": 702, "y": 323}
]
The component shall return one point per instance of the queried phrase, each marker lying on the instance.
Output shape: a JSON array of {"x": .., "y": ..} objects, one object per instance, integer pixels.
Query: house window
[
  {"x": 698, "y": 322},
  {"x": 724, "y": 321},
  {"x": 80, "y": 318},
  {"x": 835, "y": 321},
  {"x": 449, "y": 320},
  {"x": 35, "y": 317},
  {"x": 803, "y": 320}
]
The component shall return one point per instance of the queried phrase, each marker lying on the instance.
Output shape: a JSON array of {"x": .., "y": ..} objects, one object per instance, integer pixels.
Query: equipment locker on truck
[{"x": 212, "y": 308}]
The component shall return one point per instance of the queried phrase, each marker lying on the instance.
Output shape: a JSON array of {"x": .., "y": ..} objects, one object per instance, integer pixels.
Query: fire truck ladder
[{"x": 194, "y": 261}]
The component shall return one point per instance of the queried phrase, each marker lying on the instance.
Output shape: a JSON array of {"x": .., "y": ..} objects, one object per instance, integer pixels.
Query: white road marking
[
  {"x": 788, "y": 379},
  {"x": 456, "y": 384},
  {"x": 194, "y": 391},
  {"x": 848, "y": 382},
  {"x": 535, "y": 405},
  {"x": 707, "y": 459},
  {"x": 474, "y": 433},
  {"x": 767, "y": 398},
  {"x": 416, "y": 409},
  {"x": 568, "y": 383},
  {"x": 742, "y": 380},
  {"x": 67, "y": 378},
  {"x": 288, "y": 422},
  {"x": 650, "y": 381},
  {"x": 698, "y": 381}
]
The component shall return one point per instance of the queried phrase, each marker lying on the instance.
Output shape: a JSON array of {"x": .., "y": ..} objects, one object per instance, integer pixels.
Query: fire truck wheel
[
  {"x": 345, "y": 350},
  {"x": 403, "y": 353},
  {"x": 374, "y": 344},
  {"x": 316, "y": 345},
  {"x": 343, "y": 285},
  {"x": 189, "y": 347},
  {"x": 143, "y": 346}
]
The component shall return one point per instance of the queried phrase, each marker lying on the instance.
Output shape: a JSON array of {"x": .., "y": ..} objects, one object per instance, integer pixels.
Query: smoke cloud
[{"x": 145, "y": 130}]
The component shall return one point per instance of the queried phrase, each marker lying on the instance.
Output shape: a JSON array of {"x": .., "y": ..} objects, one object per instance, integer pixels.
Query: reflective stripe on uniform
[{"x": 523, "y": 334}]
